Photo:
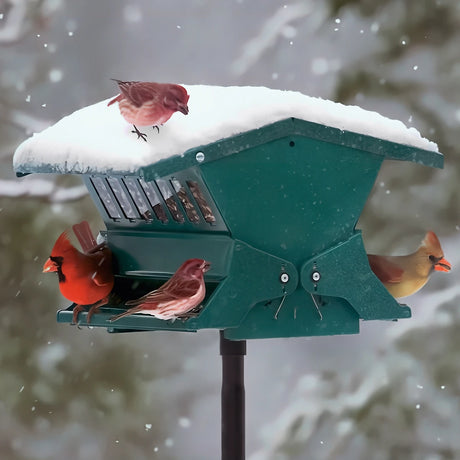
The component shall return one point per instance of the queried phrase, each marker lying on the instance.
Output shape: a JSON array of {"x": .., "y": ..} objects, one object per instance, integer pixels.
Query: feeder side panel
[{"x": 293, "y": 197}]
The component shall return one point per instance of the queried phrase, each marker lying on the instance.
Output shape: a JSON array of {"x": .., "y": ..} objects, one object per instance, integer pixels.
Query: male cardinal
[
  {"x": 84, "y": 278},
  {"x": 405, "y": 275},
  {"x": 148, "y": 103},
  {"x": 181, "y": 293}
]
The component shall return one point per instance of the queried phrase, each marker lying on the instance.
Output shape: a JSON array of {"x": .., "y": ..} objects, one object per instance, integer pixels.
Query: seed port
[
  {"x": 132, "y": 185},
  {"x": 200, "y": 199},
  {"x": 187, "y": 204},
  {"x": 171, "y": 203},
  {"x": 154, "y": 199},
  {"x": 122, "y": 197},
  {"x": 106, "y": 197}
]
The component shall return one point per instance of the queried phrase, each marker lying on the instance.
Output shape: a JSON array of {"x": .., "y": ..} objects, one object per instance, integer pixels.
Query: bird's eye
[{"x": 433, "y": 259}]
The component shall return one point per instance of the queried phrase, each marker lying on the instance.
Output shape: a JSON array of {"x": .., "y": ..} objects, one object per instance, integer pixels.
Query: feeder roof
[{"x": 96, "y": 139}]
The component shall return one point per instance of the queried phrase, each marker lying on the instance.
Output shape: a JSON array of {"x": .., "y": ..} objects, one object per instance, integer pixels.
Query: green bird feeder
[
  {"x": 273, "y": 208},
  {"x": 266, "y": 185}
]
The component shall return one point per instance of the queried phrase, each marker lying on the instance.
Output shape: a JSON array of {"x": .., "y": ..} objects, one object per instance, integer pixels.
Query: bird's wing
[
  {"x": 385, "y": 270},
  {"x": 183, "y": 287},
  {"x": 178, "y": 288},
  {"x": 140, "y": 93},
  {"x": 103, "y": 274},
  {"x": 102, "y": 278}
]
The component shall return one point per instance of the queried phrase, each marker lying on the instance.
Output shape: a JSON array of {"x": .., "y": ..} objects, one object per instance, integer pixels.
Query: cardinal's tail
[{"x": 85, "y": 236}]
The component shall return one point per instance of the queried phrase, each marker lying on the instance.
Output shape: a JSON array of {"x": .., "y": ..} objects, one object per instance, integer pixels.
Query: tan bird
[{"x": 405, "y": 275}]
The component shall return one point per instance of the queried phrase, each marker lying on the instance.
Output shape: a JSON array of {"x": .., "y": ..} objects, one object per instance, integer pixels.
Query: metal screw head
[
  {"x": 284, "y": 278},
  {"x": 199, "y": 157},
  {"x": 316, "y": 276}
]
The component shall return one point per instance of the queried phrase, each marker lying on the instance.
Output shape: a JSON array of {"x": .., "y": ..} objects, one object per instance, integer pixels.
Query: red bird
[
  {"x": 405, "y": 275},
  {"x": 181, "y": 293},
  {"x": 84, "y": 278},
  {"x": 148, "y": 103}
]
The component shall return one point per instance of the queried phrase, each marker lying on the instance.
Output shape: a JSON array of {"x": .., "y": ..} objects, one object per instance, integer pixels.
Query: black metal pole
[{"x": 232, "y": 398}]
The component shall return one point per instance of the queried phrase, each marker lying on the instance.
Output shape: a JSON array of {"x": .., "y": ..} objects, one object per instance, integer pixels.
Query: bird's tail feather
[
  {"x": 115, "y": 99},
  {"x": 85, "y": 236},
  {"x": 131, "y": 311}
]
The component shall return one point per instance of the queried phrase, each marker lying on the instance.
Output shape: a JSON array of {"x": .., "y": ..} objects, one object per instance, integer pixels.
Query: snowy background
[{"x": 391, "y": 392}]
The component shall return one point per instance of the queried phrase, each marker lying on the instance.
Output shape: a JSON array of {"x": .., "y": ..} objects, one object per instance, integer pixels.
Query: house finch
[
  {"x": 148, "y": 103},
  {"x": 181, "y": 293},
  {"x": 84, "y": 278},
  {"x": 405, "y": 275}
]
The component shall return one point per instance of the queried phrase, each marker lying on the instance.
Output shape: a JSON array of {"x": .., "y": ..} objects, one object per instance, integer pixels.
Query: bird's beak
[
  {"x": 205, "y": 266},
  {"x": 49, "y": 266},
  {"x": 442, "y": 265},
  {"x": 183, "y": 108}
]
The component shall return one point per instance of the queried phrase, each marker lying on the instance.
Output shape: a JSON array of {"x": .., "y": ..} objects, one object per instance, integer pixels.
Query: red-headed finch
[
  {"x": 84, "y": 278},
  {"x": 149, "y": 103},
  {"x": 184, "y": 291},
  {"x": 405, "y": 275}
]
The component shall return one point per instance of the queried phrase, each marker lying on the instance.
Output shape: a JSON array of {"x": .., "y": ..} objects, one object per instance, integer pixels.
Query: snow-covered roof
[{"x": 98, "y": 139}]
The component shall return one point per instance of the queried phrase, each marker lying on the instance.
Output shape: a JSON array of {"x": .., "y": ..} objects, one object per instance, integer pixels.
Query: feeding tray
[{"x": 273, "y": 208}]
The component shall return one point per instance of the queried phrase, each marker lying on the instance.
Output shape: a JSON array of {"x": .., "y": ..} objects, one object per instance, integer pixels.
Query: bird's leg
[
  {"x": 193, "y": 313},
  {"x": 76, "y": 310},
  {"x": 157, "y": 127},
  {"x": 95, "y": 308},
  {"x": 139, "y": 134}
]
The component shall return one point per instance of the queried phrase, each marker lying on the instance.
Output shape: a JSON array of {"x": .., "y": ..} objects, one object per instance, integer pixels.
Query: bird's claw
[
  {"x": 157, "y": 127},
  {"x": 139, "y": 134},
  {"x": 193, "y": 313}
]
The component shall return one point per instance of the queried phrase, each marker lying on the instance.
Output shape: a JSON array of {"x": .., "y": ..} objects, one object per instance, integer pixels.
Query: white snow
[{"x": 97, "y": 137}]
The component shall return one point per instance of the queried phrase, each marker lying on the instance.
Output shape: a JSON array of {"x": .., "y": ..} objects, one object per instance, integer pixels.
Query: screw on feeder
[
  {"x": 316, "y": 276},
  {"x": 199, "y": 157},
  {"x": 284, "y": 278}
]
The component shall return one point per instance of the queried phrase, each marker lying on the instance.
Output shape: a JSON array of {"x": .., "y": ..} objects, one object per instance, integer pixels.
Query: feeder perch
[{"x": 273, "y": 208}]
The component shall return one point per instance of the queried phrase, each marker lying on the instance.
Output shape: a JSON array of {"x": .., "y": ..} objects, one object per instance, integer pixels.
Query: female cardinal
[
  {"x": 181, "y": 293},
  {"x": 405, "y": 275},
  {"x": 84, "y": 278},
  {"x": 148, "y": 103}
]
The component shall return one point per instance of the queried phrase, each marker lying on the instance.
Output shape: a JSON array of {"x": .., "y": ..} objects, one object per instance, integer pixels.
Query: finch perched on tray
[
  {"x": 149, "y": 103},
  {"x": 84, "y": 278},
  {"x": 184, "y": 291},
  {"x": 405, "y": 275}
]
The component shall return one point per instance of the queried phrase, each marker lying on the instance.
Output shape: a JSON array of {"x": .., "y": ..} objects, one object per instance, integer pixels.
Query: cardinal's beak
[
  {"x": 49, "y": 266},
  {"x": 442, "y": 265}
]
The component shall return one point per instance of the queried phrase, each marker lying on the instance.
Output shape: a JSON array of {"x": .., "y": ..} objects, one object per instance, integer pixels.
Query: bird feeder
[
  {"x": 271, "y": 199},
  {"x": 274, "y": 210}
]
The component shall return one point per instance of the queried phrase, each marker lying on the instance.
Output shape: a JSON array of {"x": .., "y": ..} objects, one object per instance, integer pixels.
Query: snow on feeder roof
[
  {"x": 97, "y": 138},
  {"x": 266, "y": 185}
]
